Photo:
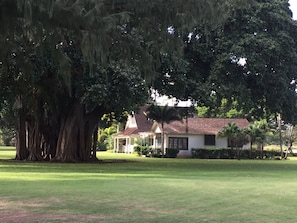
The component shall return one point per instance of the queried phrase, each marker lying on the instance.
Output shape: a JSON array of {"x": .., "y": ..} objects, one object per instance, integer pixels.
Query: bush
[
  {"x": 221, "y": 153},
  {"x": 226, "y": 153},
  {"x": 137, "y": 149},
  {"x": 143, "y": 150},
  {"x": 149, "y": 152},
  {"x": 157, "y": 153},
  {"x": 101, "y": 146},
  {"x": 7, "y": 137},
  {"x": 171, "y": 152},
  {"x": 271, "y": 154}
]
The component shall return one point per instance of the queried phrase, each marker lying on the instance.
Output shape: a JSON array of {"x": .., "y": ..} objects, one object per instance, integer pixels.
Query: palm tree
[
  {"x": 257, "y": 134},
  {"x": 234, "y": 134},
  {"x": 162, "y": 115},
  {"x": 254, "y": 132},
  {"x": 231, "y": 130},
  {"x": 264, "y": 127},
  {"x": 105, "y": 136}
]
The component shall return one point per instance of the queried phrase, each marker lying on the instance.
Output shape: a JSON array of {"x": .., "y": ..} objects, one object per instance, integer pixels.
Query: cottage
[
  {"x": 137, "y": 128},
  {"x": 192, "y": 132}
]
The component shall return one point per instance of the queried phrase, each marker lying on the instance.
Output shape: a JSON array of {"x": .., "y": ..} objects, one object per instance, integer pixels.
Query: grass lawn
[{"x": 134, "y": 189}]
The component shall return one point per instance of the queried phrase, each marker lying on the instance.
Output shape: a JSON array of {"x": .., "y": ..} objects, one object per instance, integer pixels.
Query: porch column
[
  {"x": 115, "y": 143},
  {"x": 165, "y": 141},
  {"x": 127, "y": 145}
]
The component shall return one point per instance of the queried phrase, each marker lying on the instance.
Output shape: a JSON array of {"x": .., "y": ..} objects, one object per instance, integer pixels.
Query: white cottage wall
[
  {"x": 197, "y": 141},
  {"x": 221, "y": 143}
]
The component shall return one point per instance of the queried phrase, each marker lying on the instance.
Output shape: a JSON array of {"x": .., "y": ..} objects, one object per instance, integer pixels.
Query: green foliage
[
  {"x": 247, "y": 65},
  {"x": 226, "y": 109},
  {"x": 171, "y": 152},
  {"x": 7, "y": 123},
  {"x": 122, "y": 85},
  {"x": 1, "y": 140},
  {"x": 237, "y": 136},
  {"x": 148, "y": 151},
  {"x": 257, "y": 131},
  {"x": 7, "y": 137},
  {"x": 217, "y": 153},
  {"x": 172, "y": 76},
  {"x": 105, "y": 139},
  {"x": 162, "y": 115},
  {"x": 101, "y": 146},
  {"x": 231, "y": 131},
  {"x": 202, "y": 111},
  {"x": 67, "y": 63},
  {"x": 157, "y": 152},
  {"x": 143, "y": 150},
  {"x": 224, "y": 153}
]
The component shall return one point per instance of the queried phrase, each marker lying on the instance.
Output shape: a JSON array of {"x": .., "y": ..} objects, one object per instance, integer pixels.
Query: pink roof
[
  {"x": 196, "y": 125},
  {"x": 202, "y": 126},
  {"x": 143, "y": 124},
  {"x": 128, "y": 131}
]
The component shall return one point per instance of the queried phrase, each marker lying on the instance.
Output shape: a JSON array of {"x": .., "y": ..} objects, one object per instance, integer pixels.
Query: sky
[{"x": 293, "y": 7}]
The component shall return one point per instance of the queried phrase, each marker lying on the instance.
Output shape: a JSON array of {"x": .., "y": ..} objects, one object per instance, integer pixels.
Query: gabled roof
[
  {"x": 202, "y": 126},
  {"x": 140, "y": 123}
]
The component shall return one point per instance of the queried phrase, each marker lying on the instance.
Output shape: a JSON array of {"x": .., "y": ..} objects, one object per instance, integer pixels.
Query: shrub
[
  {"x": 143, "y": 150},
  {"x": 222, "y": 153},
  {"x": 101, "y": 146},
  {"x": 226, "y": 153},
  {"x": 157, "y": 153},
  {"x": 171, "y": 152},
  {"x": 270, "y": 154},
  {"x": 7, "y": 137},
  {"x": 138, "y": 150}
]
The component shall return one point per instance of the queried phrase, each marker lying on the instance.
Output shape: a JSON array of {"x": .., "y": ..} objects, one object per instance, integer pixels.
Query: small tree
[
  {"x": 105, "y": 136},
  {"x": 240, "y": 140},
  {"x": 290, "y": 137},
  {"x": 236, "y": 136},
  {"x": 230, "y": 131},
  {"x": 6, "y": 136},
  {"x": 162, "y": 115},
  {"x": 257, "y": 134}
]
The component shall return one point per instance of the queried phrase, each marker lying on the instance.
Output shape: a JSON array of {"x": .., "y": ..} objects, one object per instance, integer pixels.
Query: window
[
  {"x": 209, "y": 140},
  {"x": 147, "y": 141},
  {"x": 178, "y": 142},
  {"x": 158, "y": 142}
]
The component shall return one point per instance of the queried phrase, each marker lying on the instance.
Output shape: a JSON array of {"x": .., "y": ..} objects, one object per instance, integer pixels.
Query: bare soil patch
[
  {"x": 17, "y": 212},
  {"x": 26, "y": 217}
]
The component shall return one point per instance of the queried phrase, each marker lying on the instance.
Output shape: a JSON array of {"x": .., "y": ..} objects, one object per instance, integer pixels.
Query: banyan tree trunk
[
  {"x": 34, "y": 142},
  {"x": 94, "y": 144},
  {"x": 75, "y": 136},
  {"x": 21, "y": 148},
  {"x": 72, "y": 137}
]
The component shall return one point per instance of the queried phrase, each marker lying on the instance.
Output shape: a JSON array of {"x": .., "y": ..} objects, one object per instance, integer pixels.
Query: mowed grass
[{"x": 127, "y": 188}]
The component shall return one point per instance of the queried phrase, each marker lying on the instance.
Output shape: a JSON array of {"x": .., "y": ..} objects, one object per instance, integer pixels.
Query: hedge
[
  {"x": 143, "y": 150},
  {"x": 149, "y": 152},
  {"x": 171, "y": 152},
  {"x": 226, "y": 153}
]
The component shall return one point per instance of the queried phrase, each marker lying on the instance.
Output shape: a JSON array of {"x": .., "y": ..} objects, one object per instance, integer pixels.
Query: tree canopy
[
  {"x": 65, "y": 63},
  {"x": 248, "y": 64}
]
